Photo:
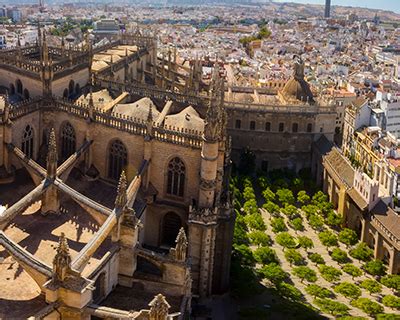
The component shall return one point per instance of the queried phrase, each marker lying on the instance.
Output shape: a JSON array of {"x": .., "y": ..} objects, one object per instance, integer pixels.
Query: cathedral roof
[
  {"x": 138, "y": 109},
  {"x": 297, "y": 89},
  {"x": 188, "y": 118},
  {"x": 100, "y": 98}
]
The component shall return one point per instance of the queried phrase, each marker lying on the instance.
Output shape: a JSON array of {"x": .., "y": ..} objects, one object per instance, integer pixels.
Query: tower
[{"x": 327, "y": 8}]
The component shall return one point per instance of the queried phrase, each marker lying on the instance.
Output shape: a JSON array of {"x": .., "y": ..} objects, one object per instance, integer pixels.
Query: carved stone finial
[
  {"x": 181, "y": 245},
  {"x": 213, "y": 121},
  {"x": 121, "y": 199},
  {"x": 18, "y": 41},
  {"x": 159, "y": 308},
  {"x": 62, "y": 260},
  {"x": 149, "y": 122},
  {"x": 228, "y": 150},
  {"x": 52, "y": 156}
]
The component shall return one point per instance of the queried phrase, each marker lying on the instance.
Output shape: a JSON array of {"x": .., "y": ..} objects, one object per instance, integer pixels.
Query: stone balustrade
[
  {"x": 378, "y": 225},
  {"x": 175, "y": 135}
]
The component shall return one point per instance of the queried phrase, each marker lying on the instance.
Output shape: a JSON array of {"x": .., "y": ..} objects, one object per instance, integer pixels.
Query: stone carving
[
  {"x": 298, "y": 71},
  {"x": 212, "y": 125},
  {"x": 207, "y": 184},
  {"x": 62, "y": 260},
  {"x": 52, "y": 156},
  {"x": 203, "y": 215},
  {"x": 228, "y": 150},
  {"x": 121, "y": 199},
  {"x": 181, "y": 245},
  {"x": 159, "y": 308},
  {"x": 188, "y": 283}
]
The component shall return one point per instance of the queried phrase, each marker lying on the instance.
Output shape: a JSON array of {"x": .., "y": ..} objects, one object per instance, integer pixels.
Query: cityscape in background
[{"x": 174, "y": 160}]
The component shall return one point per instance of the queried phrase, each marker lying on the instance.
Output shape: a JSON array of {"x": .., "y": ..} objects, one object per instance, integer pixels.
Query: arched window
[
  {"x": 68, "y": 140},
  {"x": 295, "y": 127},
  {"x": 12, "y": 89},
  {"x": 18, "y": 84},
  {"x": 65, "y": 93},
  {"x": 77, "y": 88},
  {"x": 171, "y": 224},
  {"x": 71, "y": 87},
  {"x": 26, "y": 94},
  {"x": 176, "y": 177},
  {"x": 252, "y": 125},
  {"x": 27, "y": 141},
  {"x": 268, "y": 126},
  {"x": 281, "y": 126},
  {"x": 309, "y": 127},
  {"x": 117, "y": 159},
  {"x": 238, "y": 124}
]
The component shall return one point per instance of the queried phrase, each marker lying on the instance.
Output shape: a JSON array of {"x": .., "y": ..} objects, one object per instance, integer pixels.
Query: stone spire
[
  {"x": 159, "y": 308},
  {"x": 121, "y": 199},
  {"x": 181, "y": 245},
  {"x": 149, "y": 122},
  {"x": 18, "y": 42},
  {"x": 62, "y": 260},
  {"x": 211, "y": 128},
  {"x": 39, "y": 37},
  {"x": 52, "y": 155},
  {"x": 45, "y": 50},
  {"x": 91, "y": 102}
]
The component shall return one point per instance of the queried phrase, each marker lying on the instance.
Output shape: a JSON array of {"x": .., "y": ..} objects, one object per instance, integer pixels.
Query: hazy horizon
[{"x": 392, "y": 5}]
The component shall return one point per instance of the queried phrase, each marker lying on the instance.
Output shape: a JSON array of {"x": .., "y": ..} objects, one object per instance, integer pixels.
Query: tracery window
[
  {"x": 68, "y": 140},
  {"x": 295, "y": 127},
  {"x": 176, "y": 177},
  {"x": 117, "y": 159},
  {"x": 27, "y": 141},
  {"x": 19, "y": 86},
  {"x": 26, "y": 94},
  {"x": 71, "y": 87}
]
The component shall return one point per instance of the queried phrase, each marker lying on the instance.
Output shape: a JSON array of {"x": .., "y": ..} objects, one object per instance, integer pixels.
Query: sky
[{"x": 393, "y": 5}]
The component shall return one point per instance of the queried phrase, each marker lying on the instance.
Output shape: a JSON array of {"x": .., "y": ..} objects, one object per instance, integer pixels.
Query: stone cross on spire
[
  {"x": 62, "y": 260},
  {"x": 121, "y": 199},
  {"x": 159, "y": 308},
  {"x": 52, "y": 156}
]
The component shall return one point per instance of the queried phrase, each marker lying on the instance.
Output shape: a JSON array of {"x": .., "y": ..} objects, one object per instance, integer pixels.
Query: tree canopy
[
  {"x": 352, "y": 270},
  {"x": 329, "y": 273},
  {"x": 294, "y": 257},
  {"x": 349, "y": 290},
  {"x": 305, "y": 273},
  {"x": 285, "y": 240},
  {"x": 348, "y": 237},
  {"x": 371, "y": 286},
  {"x": 375, "y": 267},
  {"x": 328, "y": 239},
  {"x": 362, "y": 252}
]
